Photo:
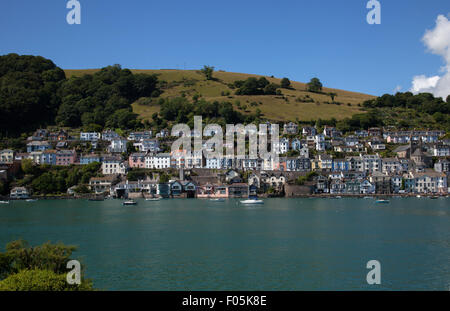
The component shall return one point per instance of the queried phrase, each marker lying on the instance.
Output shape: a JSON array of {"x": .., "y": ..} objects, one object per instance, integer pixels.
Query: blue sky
[{"x": 297, "y": 39}]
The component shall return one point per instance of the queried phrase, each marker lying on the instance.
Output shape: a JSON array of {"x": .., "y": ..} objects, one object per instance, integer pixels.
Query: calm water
[{"x": 297, "y": 244}]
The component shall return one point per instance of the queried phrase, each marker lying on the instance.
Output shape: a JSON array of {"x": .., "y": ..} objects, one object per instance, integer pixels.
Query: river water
[{"x": 285, "y": 244}]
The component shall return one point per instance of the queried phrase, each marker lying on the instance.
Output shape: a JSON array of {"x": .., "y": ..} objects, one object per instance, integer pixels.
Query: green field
[{"x": 276, "y": 107}]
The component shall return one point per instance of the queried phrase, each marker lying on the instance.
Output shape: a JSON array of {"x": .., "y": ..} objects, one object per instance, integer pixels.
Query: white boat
[
  {"x": 130, "y": 202},
  {"x": 418, "y": 196},
  {"x": 153, "y": 199},
  {"x": 4, "y": 202},
  {"x": 252, "y": 201},
  {"x": 31, "y": 200},
  {"x": 367, "y": 198}
]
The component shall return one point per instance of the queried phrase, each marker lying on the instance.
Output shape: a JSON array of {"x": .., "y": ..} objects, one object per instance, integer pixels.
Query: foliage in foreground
[{"x": 40, "y": 268}]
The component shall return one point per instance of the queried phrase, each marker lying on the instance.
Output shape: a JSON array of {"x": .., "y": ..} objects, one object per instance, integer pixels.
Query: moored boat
[
  {"x": 252, "y": 201},
  {"x": 4, "y": 202},
  {"x": 382, "y": 201},
  {"x": 129, "y": 203},
  {"x": 31, "y": 200},
  {"x": 153, "y": 199}
]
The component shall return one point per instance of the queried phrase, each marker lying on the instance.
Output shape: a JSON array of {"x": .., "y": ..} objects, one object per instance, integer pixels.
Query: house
[
  {"x": 114, "y": 166},
  {"x": 61, "y": 145},
  {"x": 290, "y": 128},
  {"x": 65, "y": 157},
  {"x": 377, "y": 144},
  {"x": 19, "y": 193},
  {"x": 212, "y": 191},
  {"x": 340, "y": 165},
  {"x": 371, "y": 163},
  {"x": 158, "y": 161},
  {"x": 337, "y": 186},
  {"x": 309, "y": 131},
  {"x": 90, "y": 158},
  {"x": 428, "y": 181},
  {"x": 321, "y": 184},
  {"x": 137, "y": 160},
  {"x": 381, "y": 182},
  {"x": 102, "y": 184},
  {"x": 296, "y": 144},
  {"x": 138, "y": 136},
  {"x": 163, "y": 133},
  {"x": 61, "y": 135},
  {"x": 238, "y": 190},
  {"x": 118, "y": 145},
  {"x": 440, "y": 150},
  {"x": 330, "y": 131},
  {"x": 353, "y": 186},
  {"x": 6, "y": 156},
  {"x": 38, "y": 146},
  {"x": 374, "y": 131},
  {"x": 89, "y": 136},
  {"x": 109, "y": 135},
  {"x": 48, "y": 157},
  {"x": 367, "y": 187},
  {"x": 147, "y": 145},
  {"x": 442, "y": 166},
  {"x": 361, "y": 133},
  {"x": 396, "y": 183},
  {"x": 351, "y": 141},
  {"x": 391, "y": 165}
]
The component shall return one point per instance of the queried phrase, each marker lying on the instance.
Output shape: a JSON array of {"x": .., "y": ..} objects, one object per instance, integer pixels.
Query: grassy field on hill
[{"x": 294, "y": 103}]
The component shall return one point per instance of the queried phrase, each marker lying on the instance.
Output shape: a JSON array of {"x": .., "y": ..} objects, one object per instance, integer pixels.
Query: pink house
[
  {"x": 65, "y": 157},
  {"x": 137, "y": 160},
  {"x": 212, "y": 191}
]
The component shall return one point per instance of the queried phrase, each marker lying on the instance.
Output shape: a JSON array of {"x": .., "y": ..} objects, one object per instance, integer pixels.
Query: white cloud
[{"x": 437, "y": 41}]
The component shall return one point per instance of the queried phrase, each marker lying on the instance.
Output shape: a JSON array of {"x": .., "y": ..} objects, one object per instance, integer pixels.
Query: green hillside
[{"x": 294, "y": 103}]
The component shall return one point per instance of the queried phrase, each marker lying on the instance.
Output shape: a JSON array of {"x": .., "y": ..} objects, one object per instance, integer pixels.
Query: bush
[{"x": 41, "y": 280}]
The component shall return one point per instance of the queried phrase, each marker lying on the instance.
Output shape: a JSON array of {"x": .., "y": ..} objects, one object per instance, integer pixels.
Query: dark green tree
[
  {"x": 314, "y": 85},
  {"x": 207, "y": 71},
  {"x": 285, "y": 83}
]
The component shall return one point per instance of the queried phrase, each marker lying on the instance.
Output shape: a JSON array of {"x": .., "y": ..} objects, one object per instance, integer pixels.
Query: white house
[{"x": 90, "y": 136}]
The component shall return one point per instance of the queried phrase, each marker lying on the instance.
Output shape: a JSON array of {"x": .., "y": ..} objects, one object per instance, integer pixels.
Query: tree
[
  {"x": 27, "y": 166},
  {"x": 208, "y": 72},
  {"x": 315, "y": 85},
  {"x": 285, "y": 83},
  {"x": 448, "y": 99}
]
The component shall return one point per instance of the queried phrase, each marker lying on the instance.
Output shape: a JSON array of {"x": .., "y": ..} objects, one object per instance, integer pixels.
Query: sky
[{"x": 297, "y": 39}]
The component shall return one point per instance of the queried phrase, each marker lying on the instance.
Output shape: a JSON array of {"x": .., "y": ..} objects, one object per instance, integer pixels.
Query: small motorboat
[
  {"x": 129, "y": 203},
  {"x": 31, "y": 200},
  {"x": 382, "y": 201},
  {"x": 153, "y": 199},
  {"x": 252, "y": 201},
  {"x": 418, "y": 196},
  {"x": 434, "y": 197},
  {"x": 367, "y": 198},
  {"x": 338, "y": 197},
  {"x": 4, "y": 202}
]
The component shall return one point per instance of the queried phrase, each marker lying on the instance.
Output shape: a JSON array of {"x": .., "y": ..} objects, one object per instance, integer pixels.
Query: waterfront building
[{"x": 19, "y": 193}]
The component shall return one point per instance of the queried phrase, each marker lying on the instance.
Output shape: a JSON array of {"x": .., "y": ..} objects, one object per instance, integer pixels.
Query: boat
[
  {"x": 31, "y": 200},
  {"x": 153, "y": 199},
  {"x": 434, "y": 197},
  {"x": 382, "y": 201},
  {"x": 338, "y": 197},
  {"x": 366, "y": 198},
  {"x": 129, "y": 203},
  {"x": 4, "y": 202},
  {"x": 418, "y": 196},
  {"x": 252, "y": 200}
]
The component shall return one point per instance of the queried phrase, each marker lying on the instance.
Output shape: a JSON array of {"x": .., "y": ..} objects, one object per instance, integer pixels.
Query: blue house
[{"x": 38, "y": 146}]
